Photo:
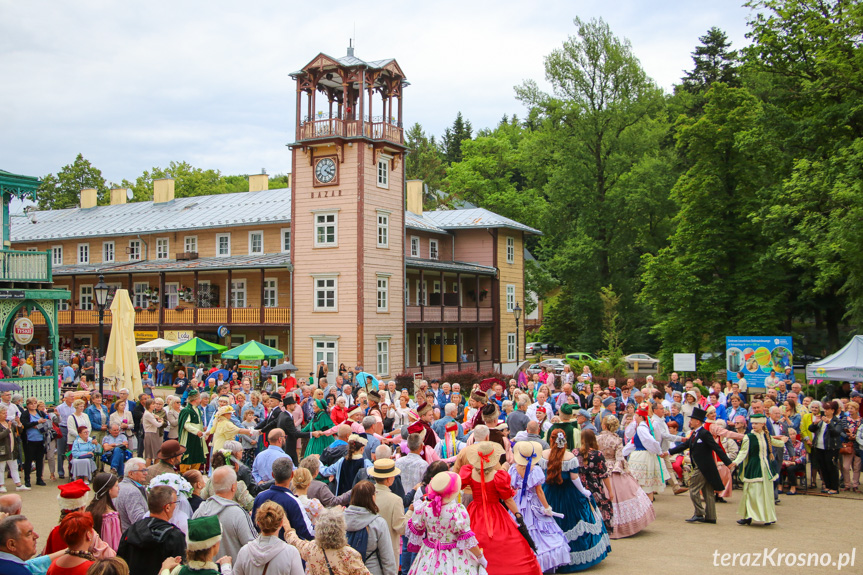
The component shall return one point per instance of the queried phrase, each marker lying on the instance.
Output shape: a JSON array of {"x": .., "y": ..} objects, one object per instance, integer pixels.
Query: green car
[{"x": 577, "y": 356}]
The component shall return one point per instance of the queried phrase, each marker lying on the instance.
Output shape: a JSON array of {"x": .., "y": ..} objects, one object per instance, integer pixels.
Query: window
[
  {"x": 286, "y": 240},
  {"x": 107, "y": 252},
  {"x": 32, "y": 250},
  {"x": 223, "y": 245},
  {"x": 415, "y": 247},
  {"x": 272, "y": 341},
  {"x": 510, "y": 250},
  {"x": 510, "y": 347},
  {"x": 327, "y": 350},
  {"x": 383, "y": 362},
  {"x": 83, "y": 253},
  {"x": 171, "y": 297},
  {"x": 237, "y": 340},
  {"x": 383, "y": 293},
  {"x": 238, "y": 293},
  {"x": 510, "y": 298},
  {"x": 256, "y": 242},
  {"x": 57, "y": 255},
  {"x": 271, "y": 293},
  {"x": 384, "y": 173},
  {"x": 436, "y": 287},
  {"x": 422, "y": 288},
  {"x": 190, "y": 244},
  {"x": 63, "y": 304},
  {"x": 85, "y": 301},
  {"x": 134, "y": 250},
  {"x": 140, "y": 297},
  {"x": 433, "y": 249},
  {"x": 162, "y": 248},
  {"x": 325, "y": 230},
  {"x": 383, "y": 230},
  {"x": 326, "y": 292}
]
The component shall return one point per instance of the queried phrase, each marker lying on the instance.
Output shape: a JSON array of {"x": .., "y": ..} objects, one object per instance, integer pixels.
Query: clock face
[{"x": 325, "y": 170}]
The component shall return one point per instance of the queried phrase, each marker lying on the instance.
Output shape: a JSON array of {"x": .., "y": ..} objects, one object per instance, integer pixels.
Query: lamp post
[
  {"x": 100, "y": 291},
  {"x": 516, "y": 311}
]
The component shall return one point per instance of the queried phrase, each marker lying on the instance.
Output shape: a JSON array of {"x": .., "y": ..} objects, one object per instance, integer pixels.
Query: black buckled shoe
[{"x": 747, "y": 521}]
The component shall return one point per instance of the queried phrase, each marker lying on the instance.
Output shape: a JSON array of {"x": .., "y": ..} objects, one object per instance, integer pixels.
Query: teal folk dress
[{"x": 758, "y": 476}]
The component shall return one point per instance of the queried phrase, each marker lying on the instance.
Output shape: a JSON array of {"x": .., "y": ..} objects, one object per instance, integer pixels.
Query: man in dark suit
[
  {"x": 272, "y": 419},
  {"x": 286, "y": 424},
  {"x": 705, "y": 477}
]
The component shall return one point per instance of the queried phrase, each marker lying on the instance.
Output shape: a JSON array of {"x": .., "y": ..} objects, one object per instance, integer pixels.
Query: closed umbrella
[
  {"x": 121, "y": 359},
  {"x": 195, "y": 346},
  {"x": 252, "y": 351}
]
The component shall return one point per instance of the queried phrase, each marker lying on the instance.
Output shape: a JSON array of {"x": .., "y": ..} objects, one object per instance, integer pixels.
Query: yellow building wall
[{"x": 510, "y": 274}]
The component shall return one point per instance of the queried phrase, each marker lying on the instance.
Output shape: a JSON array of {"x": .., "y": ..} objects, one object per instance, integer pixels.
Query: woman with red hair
[{"x": 76, "y": 529}]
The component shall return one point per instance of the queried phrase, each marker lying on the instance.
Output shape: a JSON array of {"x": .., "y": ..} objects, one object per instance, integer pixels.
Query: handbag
[{"x": 847, "y": 448}]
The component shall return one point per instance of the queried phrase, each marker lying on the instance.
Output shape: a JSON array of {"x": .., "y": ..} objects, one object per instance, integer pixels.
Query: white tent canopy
[
  {"x": 845, "y": 364},
  {"x": 157, "y": 344}
]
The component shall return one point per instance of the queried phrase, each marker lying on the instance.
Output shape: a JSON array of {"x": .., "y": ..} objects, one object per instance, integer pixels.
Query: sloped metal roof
[
  {"x": 232, "y": 262},
  {"x": 417, "y": 222},
  {"x": 450, "y": 266},
  {"x": 474, "y": 218},
  {"x": 180, "y": 214}
]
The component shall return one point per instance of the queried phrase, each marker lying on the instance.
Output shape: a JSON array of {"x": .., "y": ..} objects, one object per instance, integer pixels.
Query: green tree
[
  {"x": 64, "y": 189},
  {"x": 603, "y": 119},
  {"x": 188, "y": 181},
  {"x": 714, "y": 61},
  {"x": 424, "y": 162},
  {"x": 453, "y": 137}
]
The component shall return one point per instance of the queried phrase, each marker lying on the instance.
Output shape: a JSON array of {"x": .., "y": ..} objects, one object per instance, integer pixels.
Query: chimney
[
  {"x": 118, "y": 196},
  {"x": 89, "y": 198},
  {"x": 351, "y": 47},
  {"x": 415, "y": 196},
  {"x": 259, "y": 183},
  {"x": 163, "y": 190},
  {"x": 289, "y": 180}
]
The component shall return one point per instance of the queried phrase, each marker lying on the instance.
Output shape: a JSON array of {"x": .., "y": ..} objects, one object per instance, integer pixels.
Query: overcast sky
[{"x": 136, "y": 85}]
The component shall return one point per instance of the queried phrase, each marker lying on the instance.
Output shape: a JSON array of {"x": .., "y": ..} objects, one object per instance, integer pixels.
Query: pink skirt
[
  {"x": 725, "y": 474},
  {"x": 633, "y": 510}
]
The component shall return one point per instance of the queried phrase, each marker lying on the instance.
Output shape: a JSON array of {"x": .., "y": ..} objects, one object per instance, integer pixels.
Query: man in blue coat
[{"x": 280, "y": 493}]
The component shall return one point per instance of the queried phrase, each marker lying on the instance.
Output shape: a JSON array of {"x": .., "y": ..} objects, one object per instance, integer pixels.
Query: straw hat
[
  {"x": 447, "y": 484},
  {"x": 485, "y": 454},
  {"x": 223, "y": 410},
  {"x": 523, "y": 450},
  {"x": 384, "y": 468}
]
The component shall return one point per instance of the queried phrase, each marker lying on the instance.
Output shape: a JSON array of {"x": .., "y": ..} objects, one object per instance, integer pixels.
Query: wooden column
[
  {"x": 477, "y": 297},
  {"x": 422, "y": 295},
  {"x": 299, "y": 108},
  {"x": 195, "y": 299},
  {"x": 458, "y": 294},
  {"x": 442, "y": 292},
  {"x": 261, "y": 319},
  {"x": 230, "y": 299},
  {"x": 476, "y": 347},
  {"x": 161, "y": 299},
  {"x": 72, "y": 308}
]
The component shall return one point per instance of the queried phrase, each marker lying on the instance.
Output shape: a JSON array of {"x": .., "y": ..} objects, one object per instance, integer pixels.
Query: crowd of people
[{"x": 535, "y": 475}]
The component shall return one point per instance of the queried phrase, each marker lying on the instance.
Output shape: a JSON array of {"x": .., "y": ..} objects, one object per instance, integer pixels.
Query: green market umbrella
[
  {"x": 253, "y": 350},
  {"x": 195, "y": 346}
]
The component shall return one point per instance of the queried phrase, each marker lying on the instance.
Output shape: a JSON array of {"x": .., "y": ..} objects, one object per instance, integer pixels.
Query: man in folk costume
[
  {"x": 568, "y": 425},
  {"x": 449, "y": 446},
  {"x": 191, "y": 424},
  {"x": 705, "y": 478},
  {"x": 428, "y": 453},
  {"x": 202, "y": 541}
]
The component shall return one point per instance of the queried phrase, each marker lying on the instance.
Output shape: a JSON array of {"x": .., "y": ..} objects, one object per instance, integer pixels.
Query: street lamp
[
  {"x": 516, "y": 311},
  {"x": 100, "y": 291}
]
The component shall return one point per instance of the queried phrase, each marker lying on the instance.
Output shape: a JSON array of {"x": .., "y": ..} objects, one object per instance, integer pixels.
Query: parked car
[
  {"x": 533, "y": 348},
  {"x": 801, "y": 360},
  {"x": 579, "y": 356},
  {"x": 550, "y": 349},
  {"x": 556, "y": 364},
  {"x": 535, "y": 368},
  {"x": 643, "y": 359}
]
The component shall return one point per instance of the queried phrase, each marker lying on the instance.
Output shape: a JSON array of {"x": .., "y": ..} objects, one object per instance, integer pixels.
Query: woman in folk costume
[
  {"x": 755, "y": 457},
  {"x": 320, "y": 422},
  {"x": 75, "y": 496},
  {"x": 429, "y": 453},
  {"x": 632, "y": 509},
  {"x": 449, "y": 446},
  {"x": 439, "y": 530},
  {"x": 489, "y": 413},
  {"x": 473, "y": 416},
  {"x": 644, "y": 451},
  {"x": 426, "y": 417},
  {"x": 507, "y": 551},
  {"x": 579, "y": 518},
  {"x": 224, "y": 429},
  {"x": 527, "y": 478},
  {"x": 567, "y": 424},
  {"x": 723, "y": 437},
  {"x": 191, "y": 427},
  {"x": 202, "y": 544}
]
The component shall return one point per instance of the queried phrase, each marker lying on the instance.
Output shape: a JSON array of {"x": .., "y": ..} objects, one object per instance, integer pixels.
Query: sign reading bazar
[{"x": 22, "y": 331}]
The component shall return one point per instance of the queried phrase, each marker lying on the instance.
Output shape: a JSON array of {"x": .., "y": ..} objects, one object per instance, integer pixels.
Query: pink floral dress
[
  {"x": 442, "y": 542},
  {"x": 111, "y": 531}
]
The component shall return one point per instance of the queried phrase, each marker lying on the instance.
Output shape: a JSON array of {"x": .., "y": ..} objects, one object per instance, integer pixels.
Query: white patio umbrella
[{"x": 158, "y": 344}]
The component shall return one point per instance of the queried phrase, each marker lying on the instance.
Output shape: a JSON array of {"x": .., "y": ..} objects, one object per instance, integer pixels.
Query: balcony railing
[
  {"x": 42, "y": 388},
  {"x": 448, "y": 314},
  {"x": 25, "y": 266},
  {"x": 330, "y": 127},
  {"x": 185, "y": 317},
  {"x": 437, "y": 370}
]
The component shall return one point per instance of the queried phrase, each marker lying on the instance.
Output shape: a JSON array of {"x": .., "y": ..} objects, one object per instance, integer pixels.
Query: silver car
[{"x": 643, "y": 359}]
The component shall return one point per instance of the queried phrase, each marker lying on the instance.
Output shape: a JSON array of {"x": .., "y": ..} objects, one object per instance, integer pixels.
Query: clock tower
[{"x": 347, "y": 216}]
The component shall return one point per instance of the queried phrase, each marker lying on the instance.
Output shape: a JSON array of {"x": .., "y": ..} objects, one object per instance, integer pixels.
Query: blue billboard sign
[{"x": 757, "y": 356}]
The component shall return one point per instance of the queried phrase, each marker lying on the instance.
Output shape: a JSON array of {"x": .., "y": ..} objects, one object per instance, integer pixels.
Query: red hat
[
  {"x": 642, "y": 411},
  {"x": 353, "y": 410},
  {"x": 451, "y": 426},
  {"x": 416, "y": 427},
  {"x": 74, "y": 495},
  {"x": 542, "y": 409}
]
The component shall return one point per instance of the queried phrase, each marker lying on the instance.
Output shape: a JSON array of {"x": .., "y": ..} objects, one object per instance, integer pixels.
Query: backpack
[{"x": 359, "y": 540}]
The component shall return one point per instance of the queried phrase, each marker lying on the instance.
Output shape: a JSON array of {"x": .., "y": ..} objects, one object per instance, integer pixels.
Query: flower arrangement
[{"x": 174, "y": 481}]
